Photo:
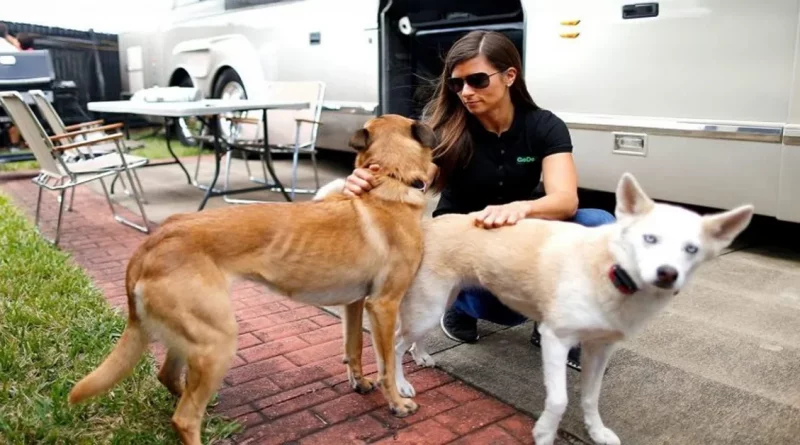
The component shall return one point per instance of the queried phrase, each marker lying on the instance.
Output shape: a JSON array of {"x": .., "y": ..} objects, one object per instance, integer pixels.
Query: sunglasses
[{"x": 478, "y": 81}]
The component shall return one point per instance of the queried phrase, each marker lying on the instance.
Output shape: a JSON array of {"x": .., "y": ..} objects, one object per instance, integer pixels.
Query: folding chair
[
  {"x": 81, "y": 132},
  {"x": 58, "y": 174},
  {"x": 289, "y": 131},
  {"x": 55, "y": 123}
]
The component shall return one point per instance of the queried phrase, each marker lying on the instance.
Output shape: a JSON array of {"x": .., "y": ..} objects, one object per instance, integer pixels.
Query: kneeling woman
[{"x": 495, "y": 146}]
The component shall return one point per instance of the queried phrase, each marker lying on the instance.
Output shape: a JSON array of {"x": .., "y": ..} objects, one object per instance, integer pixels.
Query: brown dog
[{"x": 357, "y": 252}]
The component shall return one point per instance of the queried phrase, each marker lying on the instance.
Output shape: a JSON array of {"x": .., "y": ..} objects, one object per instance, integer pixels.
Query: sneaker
[
  {"x": 459, "y": 326},
  {"x": 573, "y": 357}
]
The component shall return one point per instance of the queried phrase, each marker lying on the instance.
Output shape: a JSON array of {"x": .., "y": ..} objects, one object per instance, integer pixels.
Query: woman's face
[{"x": 471, "y": 75}]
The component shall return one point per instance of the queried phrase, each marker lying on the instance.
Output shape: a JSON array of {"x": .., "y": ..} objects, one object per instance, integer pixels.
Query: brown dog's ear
[
  {"x": 424, "y": 135},
  {"x": 360, "y": 139}
]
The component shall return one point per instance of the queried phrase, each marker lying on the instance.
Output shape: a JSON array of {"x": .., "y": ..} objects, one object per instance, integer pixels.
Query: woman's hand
[
  {"x": 502, "y": 215},
  {"x": 360, "y": 181}
]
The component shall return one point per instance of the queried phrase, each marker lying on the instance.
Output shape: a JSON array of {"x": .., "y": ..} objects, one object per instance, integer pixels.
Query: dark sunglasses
[{"x": 478, "y": 81}]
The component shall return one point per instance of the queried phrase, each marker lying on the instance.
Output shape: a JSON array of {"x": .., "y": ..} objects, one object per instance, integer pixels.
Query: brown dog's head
[{"x": 399, "y": 145}]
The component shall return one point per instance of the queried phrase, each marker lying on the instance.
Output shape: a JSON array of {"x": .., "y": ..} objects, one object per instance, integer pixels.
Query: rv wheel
[
  {"x": 228, "y": 86},
  {"x": 186, "y": 129}
]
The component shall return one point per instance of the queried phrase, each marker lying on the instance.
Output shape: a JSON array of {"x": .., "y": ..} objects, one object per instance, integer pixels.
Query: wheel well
[
  {"x": 179, "y": 76},
  {"x": 218, "y": 74}
]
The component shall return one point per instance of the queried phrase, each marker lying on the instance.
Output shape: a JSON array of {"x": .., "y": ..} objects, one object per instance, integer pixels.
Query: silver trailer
[{"x": 698, "y": 99}]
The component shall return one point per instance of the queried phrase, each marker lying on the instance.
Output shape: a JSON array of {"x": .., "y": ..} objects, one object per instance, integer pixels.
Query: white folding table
[{"x": 211, "y": 109}]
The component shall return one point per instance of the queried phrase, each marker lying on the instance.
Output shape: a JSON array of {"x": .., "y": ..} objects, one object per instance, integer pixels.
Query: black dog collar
[{"x": 622, "y": 280}]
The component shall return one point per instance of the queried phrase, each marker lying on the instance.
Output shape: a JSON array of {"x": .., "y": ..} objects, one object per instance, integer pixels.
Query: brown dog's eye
[{"x": 418, "y": 184}]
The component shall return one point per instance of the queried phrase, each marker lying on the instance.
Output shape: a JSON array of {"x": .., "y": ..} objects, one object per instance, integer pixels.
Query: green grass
[
  {"x": 55, "y": 327},
  {"x": 19, "y": 166},
  {"x": 155, "y": 148}
]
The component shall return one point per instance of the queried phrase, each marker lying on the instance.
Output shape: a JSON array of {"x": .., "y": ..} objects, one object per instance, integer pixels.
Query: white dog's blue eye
[
  {"x": 650, "y": 239},
  {"x": 690, "y": 248}
]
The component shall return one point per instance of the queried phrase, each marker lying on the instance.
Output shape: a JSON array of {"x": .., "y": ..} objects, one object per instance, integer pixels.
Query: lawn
[
  {"x": 155, "y": 148},
  {"x": 55, "y": 327}
]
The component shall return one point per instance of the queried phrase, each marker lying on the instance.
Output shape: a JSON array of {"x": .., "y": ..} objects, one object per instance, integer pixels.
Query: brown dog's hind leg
[
  {"x": 206, "y": 366},
  {"x": 353, "y": 346},
  {"x": 170, "y": 373},
  {"x": 383, "y": 314}
]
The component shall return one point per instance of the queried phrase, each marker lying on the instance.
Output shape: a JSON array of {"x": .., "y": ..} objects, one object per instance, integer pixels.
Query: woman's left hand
[{"x": 501, "y": 215}]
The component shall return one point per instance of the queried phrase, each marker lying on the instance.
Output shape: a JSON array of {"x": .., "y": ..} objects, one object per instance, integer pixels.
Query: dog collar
[
  {"x": 622, "y": 280},
  {"x": 416, "y": 185}
]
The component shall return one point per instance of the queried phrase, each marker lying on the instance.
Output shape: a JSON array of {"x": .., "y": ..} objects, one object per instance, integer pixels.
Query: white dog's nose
[{"x": 667, "y": 274}]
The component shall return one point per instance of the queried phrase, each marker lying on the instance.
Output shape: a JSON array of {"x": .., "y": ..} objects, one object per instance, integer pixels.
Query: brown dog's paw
[
  {"x": 363, "y": 386},
  {"x": 406, "y": 408}
]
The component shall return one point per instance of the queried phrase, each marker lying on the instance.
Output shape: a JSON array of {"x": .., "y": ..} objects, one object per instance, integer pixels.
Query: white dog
[{"x": 594, "y": 286}]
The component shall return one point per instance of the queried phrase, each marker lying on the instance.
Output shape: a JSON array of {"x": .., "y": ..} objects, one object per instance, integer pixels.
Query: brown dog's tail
[{"x": 115, "y": 367}]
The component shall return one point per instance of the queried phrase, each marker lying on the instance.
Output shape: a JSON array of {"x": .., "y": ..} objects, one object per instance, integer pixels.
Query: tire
[{"x": 229, "y": 85}]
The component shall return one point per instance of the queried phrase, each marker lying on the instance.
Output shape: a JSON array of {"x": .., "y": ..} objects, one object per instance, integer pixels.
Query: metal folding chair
[
  {"x": 82, "y": 132},
  {"x": 289, "y": 131},
  {"x": 53, "y": 119},
  {"x": 59, "y": 174}
]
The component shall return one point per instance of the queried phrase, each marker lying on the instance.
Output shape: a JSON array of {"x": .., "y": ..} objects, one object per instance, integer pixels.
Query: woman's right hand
[{"x": 360, "y": 181}]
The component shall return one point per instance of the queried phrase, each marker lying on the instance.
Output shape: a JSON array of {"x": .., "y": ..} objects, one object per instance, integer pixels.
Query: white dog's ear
[
  {"x": 724, "y": 227},
  {"x": 631, "y": 199}
]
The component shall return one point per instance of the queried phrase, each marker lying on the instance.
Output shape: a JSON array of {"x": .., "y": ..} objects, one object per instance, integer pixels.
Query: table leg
[
  {"x": 169, "y": 148},
  {"x": 268, "y": 157},
  {"x": 217, "y": 156}
]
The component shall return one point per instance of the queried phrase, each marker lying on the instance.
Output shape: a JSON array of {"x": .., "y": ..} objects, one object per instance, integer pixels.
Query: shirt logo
[{"x": 525, "y": 159}]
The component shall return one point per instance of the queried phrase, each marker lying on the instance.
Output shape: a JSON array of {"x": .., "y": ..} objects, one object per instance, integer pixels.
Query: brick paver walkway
[{"x": 288, "y": 384}]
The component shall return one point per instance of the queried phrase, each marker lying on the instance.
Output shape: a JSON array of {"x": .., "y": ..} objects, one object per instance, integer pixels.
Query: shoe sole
[{"x": 451, "y": 336}]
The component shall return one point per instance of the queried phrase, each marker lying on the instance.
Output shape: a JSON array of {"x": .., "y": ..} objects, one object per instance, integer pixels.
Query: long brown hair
[{"x": 446, "y": 114}]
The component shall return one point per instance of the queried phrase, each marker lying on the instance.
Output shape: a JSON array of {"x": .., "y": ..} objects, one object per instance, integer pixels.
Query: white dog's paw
[
  {"x": 543, "y": 436},
  {"x": 604, "y": 436},
  {"x": 423, "y": 359},
  {"x": 405, "y": 388}
]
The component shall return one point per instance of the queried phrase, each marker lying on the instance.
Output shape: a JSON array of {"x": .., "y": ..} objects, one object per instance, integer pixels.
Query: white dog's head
[{"x": 663, "y": 244}]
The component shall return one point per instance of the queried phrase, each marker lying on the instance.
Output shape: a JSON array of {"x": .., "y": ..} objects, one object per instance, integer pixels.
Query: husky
[{"x": 589, "y": 286}]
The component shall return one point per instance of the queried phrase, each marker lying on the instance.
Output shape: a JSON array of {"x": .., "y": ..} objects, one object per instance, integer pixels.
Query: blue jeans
[{"x": 480, "y": 303}]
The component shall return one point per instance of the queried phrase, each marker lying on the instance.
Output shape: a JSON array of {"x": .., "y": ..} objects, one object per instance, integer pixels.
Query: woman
[{"x": 495, "y": 145}]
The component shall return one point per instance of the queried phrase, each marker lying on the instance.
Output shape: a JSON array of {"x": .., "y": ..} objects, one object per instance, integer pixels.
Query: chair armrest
[
  {"x": 307, "y": 121},
  {"x": 107, "y": 138},
  {"x": 85, "y": 131},
  {"x": 84, "y": 124},
  {"x": 244, "y": 120}
]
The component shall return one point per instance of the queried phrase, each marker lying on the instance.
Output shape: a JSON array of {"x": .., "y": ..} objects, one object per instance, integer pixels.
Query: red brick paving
[{"x": 287, "y": 383}]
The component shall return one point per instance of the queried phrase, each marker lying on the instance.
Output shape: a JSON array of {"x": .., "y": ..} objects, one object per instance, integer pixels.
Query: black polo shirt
[{"x": 507, "y": 167}]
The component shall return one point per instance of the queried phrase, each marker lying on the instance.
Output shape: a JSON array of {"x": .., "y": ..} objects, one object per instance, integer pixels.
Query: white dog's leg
[
  {"x": 420, "y": 354},
  {"x": 420, "y": 311},
  {"x": 594, "y": 359},
  {"x": 554, "y": 363},
  {"x": 412, "y": 336},
  {"x": 404, "y": 387}
]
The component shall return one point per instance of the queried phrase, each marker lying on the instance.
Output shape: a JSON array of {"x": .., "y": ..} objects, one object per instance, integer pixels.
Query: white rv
[{"x": 698, "y": 98}]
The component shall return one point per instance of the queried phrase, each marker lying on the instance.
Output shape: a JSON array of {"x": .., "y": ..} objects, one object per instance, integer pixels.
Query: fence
[{"x": 89, "y": 59}]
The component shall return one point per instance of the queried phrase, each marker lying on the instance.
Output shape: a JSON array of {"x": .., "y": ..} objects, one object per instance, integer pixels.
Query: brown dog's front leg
[
  {"x": 383, "y": 314},
  {"x": 353, "y": 337}
]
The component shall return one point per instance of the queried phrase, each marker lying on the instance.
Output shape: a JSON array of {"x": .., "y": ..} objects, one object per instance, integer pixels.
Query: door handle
[{"x": 640, "y": 10}]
